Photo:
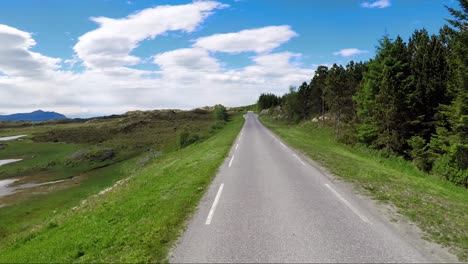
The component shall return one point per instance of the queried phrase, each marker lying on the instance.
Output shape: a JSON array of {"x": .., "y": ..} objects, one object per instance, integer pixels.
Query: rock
[
  {"x": 106, "y": 154},
  {"x": 93, "y": 155},
  {"x": 79, "y": 155}
]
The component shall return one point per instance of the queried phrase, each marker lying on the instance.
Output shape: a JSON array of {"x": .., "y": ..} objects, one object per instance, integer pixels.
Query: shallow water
[
  {"x": 7, "y": 189},
  {"x": 11, "y": 137},
  {"x": 4, "y": 189},
  {"x": 6, "y": 161}
]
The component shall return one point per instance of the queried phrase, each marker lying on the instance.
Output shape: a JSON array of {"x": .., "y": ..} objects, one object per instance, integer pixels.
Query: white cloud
[
  {"x": 349, "y": 52},
  {"x": 110, "y": 45},
  {"x": 186, "y": 78},
  {"x": 191, "y": 59},
  {"x": 16, "y": 57},
  {"x": 258, "y": 40},
  {"x": 376, "y": 4},
  {"x": 277, "y": 70}
]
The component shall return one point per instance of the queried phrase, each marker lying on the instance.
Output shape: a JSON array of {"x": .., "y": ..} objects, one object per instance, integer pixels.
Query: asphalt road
[{"x": 268, "y": 204}]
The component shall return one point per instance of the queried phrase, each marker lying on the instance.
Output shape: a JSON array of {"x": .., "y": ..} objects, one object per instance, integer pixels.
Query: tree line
[{"x": 411, "y": 99}]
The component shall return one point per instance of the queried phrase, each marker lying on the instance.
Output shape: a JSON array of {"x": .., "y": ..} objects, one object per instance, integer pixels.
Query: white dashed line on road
[
  {"x": 230, "y": 162},
  {"x": 215, "y": 203}
]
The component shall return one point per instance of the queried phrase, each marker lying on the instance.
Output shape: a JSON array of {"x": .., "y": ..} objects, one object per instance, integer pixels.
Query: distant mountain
[{"x": 34, "y": 116}]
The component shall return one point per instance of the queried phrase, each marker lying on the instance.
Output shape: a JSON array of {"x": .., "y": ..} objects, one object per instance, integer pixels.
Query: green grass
[
  {"x": 49, "y": 147},
  {"x": 32, "y": 210},
  {"x": 49, "y": 153},
  {"x": 137, "y": 221},
  {"x": 36, "y": 157},
  {"x": 438, "y": 207}
]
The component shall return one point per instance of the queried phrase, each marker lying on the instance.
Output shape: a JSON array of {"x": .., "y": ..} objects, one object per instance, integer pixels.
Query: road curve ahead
[{"x": 267, "y": 204}]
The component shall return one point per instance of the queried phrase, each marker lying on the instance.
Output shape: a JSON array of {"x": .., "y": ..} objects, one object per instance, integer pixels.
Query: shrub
[
  {"x": 218, "y": 125},
  {"x": 348, "y": 135},
  {"x": 453, "y": 166},
  {"x": 94, "y": 154},
  {"x": 418, "y": 151},
  {"x": 366, "y": 133},
  {"x": 221, "y": 113},
  {"x": 186, "y": 139}
]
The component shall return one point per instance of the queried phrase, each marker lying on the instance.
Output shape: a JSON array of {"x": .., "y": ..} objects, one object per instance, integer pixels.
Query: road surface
[{"x": 268, "y": 204}]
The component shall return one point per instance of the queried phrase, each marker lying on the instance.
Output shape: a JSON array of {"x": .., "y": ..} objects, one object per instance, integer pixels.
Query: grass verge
[
  {"x": 88, "y": 155},
  {"x": 32, "y": 209},
  {"x": 137, "y": 221},
  {"x": 438, "y": 207}
]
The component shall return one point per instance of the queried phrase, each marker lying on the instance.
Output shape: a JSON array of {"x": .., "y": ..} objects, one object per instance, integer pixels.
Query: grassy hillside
[
  {"x": 438, "y": 207},
  {"x": 139, "y": 219},
  {"x": 89, "y": 155},
  {"x": 59, "y": 148}
]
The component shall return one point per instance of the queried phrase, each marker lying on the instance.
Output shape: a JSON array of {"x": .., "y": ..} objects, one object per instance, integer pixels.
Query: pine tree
[
  {"x": 449, "y": 146},
  {"x": 317, "y": 87},
  {"x": 303, "y": 97},
  {"x": 367, "y": 128},
  {"x": 290, "y": 104},
  {"x": 337, "y": 94},
  {"x": 390, "y": 112},
  {"x": 429, "y": 86}
]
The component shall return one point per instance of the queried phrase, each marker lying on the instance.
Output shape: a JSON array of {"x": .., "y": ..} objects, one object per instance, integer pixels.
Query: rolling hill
[{"x": 38, "y": 115}]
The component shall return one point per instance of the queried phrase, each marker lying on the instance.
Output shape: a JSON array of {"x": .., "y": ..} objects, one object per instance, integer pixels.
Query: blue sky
[{"x": 309, "y": 33}]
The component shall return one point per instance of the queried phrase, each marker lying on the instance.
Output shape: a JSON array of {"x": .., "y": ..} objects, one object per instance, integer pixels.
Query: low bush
[
  {"x": 453, "y": 166},
  {"x": 221, "y": 113},
  {"x": 419, "y": 154},
  {"x": 218, "y": 125},
  {"x": 186, "y": 139},
  {"x": 93, "y": 154}
]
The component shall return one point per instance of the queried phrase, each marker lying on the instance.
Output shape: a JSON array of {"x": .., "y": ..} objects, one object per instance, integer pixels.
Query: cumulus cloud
[
  {"x": 376, "y": 4},
  {"x": 276, "y": 68},
  {"x": 16, "y": 57},
  {"x": 257, "y": 40},
  {"x": 110, "y": 44},
  {"x": 191, "y": 59},
  {"x": 349, "y": 52},
  {"x": 187, "y": 78}
]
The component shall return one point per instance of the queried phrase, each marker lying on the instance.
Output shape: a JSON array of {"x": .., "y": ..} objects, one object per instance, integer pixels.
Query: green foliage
[
  {"x": 221, "y": 113},
  {"x": 447, "y": 166},
  {"x": 410, "y": 99},
  {"x": 304, "y": 94},
  {"x": 418, "y": 151},
  {"x": 317, "y": 87},
  {"x": 290, "y": 105},
  {"x": 186, "y": 139},
  {"x": 367, "y": 133},
  {"x": 218, "y": 125},
  {"x": 336, "y": 94},
  {"x": 268, "y": 100}
]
